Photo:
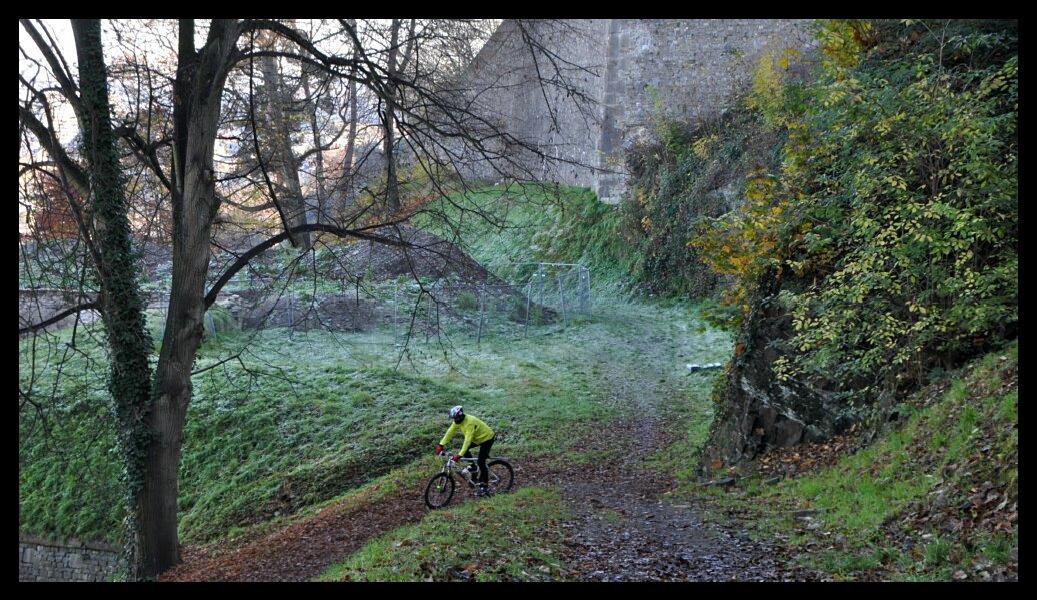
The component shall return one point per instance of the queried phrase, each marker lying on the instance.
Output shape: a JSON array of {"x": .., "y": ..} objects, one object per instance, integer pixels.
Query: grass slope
[
  {"x": 648, "y": 347},
  {"x": 535, "y": 223},
  {"x": 931, "y": 500},
  {"x": 314, "y": 415},
  {"x": 511, "y": 537}
]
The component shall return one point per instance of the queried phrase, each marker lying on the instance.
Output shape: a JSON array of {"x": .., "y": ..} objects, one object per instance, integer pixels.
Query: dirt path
[
  {"x": 303, "y": 550},
  {"x": 624, "y": 531}
]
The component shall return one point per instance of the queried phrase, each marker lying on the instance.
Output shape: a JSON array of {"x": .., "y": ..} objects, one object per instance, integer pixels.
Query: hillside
[
  {"x": 292, "y": 423},
  {"x": 798, "y": 357}
]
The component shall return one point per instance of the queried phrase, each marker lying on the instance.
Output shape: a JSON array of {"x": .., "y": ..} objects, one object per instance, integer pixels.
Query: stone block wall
[
  {"x": 505, "y": 88},
  {"x": 696, "y": 68},
  {"x": 74, "y": 560}
]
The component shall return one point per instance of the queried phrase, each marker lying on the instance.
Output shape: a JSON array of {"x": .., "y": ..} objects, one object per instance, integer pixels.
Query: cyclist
[{"x": 476, "y": 433}]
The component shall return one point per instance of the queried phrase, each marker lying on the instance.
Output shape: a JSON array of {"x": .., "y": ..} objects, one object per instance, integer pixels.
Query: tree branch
[
  {"x": 95, "y": 305},
  {"x": 244, "y": 259},
  {"x": 64, "y": 78},
  {"x": 75, "y": 174}
]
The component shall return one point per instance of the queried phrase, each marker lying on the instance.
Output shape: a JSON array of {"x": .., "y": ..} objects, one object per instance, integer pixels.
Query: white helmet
[{"x": 456, "y": 411}]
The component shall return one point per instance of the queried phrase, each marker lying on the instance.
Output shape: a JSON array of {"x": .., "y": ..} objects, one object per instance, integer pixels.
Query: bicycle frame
[{"x": 450, "y": 464}]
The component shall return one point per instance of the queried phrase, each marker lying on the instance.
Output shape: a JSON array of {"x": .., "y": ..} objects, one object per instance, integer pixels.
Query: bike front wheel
[
  {"x": 501, "y": 476},
  {"x": 439, "y": 491}
]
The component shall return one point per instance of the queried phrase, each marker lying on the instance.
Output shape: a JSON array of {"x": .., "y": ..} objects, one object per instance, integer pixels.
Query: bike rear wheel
[
  {"x": 502, "y": 476},
  {"x": 439, "y": 491}
]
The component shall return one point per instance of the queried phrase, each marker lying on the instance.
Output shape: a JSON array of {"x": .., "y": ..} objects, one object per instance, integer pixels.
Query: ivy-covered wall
[{"x": 681, "y": 177}]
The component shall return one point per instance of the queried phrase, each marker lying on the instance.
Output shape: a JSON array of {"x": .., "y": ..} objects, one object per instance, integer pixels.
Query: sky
[
  {"x": 61, "y": 30},
  {"x": 62, "y": 33}
]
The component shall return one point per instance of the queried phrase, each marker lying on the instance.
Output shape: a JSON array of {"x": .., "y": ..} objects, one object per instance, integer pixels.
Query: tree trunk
[
  {"x": 122, "y": 308},
  {"x": 347, "y": 161},
  {"x": 318, "y": 158},
  {"x": 392, "y": 190},
  {"x": 158, "y": 543},
  {"x": 287, "y": 163},
  {"x": 200, "y": 79}
]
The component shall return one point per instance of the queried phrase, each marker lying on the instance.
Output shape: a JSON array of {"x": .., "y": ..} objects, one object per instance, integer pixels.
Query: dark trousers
[{"x": 484, "y": 453}]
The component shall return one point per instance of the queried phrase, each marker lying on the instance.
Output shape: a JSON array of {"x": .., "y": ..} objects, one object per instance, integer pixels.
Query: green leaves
[
  {"x": 898, "y": 193},
  {"x": 918, "y": 216}
]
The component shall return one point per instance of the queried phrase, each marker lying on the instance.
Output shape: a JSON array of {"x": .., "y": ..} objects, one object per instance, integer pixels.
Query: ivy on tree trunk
[{"x": 122, "y": 307}]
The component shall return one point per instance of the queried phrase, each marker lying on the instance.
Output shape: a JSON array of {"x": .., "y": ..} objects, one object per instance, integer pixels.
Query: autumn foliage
[{"x": 51, "y": 215}]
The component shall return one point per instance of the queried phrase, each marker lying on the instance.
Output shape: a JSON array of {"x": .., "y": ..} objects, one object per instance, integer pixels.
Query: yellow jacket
[{"x": 474, "y": 430}]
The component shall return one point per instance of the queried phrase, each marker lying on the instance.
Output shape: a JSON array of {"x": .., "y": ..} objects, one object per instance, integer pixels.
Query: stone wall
[
  {"x": 45, "y": 560},
  {"x": 505, "y": 89},
  {"x": 696, "y": 68},
  {"x": 36, "y": 306}
]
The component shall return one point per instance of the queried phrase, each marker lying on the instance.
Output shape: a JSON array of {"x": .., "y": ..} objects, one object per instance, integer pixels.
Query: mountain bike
[{"x": 440, "y": 489}]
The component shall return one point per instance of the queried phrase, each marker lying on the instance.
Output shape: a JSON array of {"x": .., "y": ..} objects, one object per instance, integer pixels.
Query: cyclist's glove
[
  {"x": 439, "y": 449},
  {"x": 457, "y": 458}
]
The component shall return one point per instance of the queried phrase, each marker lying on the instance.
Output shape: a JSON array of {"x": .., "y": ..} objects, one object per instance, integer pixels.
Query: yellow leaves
[
  {"x": 646, "y": 223},
  {"x": 895, "y": 182},
  {"x": 760, "y": 186},
  {"x": 785, "y": 60},
  {"x": 886, "y": 125},
  {"x": 767, "y": 93},
  {"x": 995, "y": 83},
  {"x": 743, "y": 242},
  {"x": 843, "y": 40},
  {"x": 738, "y": 263},
  {"x": 702, "y": 146},
  {"x": 917, "y": 308},
  {"x": 833, "y": 97}
]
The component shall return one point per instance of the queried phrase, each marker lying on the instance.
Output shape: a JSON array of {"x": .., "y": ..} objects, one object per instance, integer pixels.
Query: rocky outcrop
[{"x": 756, "y": 411}]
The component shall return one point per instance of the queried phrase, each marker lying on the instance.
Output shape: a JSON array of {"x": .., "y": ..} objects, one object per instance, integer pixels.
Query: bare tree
[{"x": 433, "y": 114}]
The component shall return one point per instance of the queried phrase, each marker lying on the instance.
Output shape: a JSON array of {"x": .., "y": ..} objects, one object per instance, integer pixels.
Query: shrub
[
  {"x": 895, "y": 207},
  {"x": 467, "y": 301},
  {"x": 678, "y": 183}
]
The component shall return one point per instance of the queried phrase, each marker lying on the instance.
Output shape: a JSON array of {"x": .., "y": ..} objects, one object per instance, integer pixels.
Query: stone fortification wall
[
  {"x": 693, "y": 68},
  {"x": 504, "y": 83}
]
